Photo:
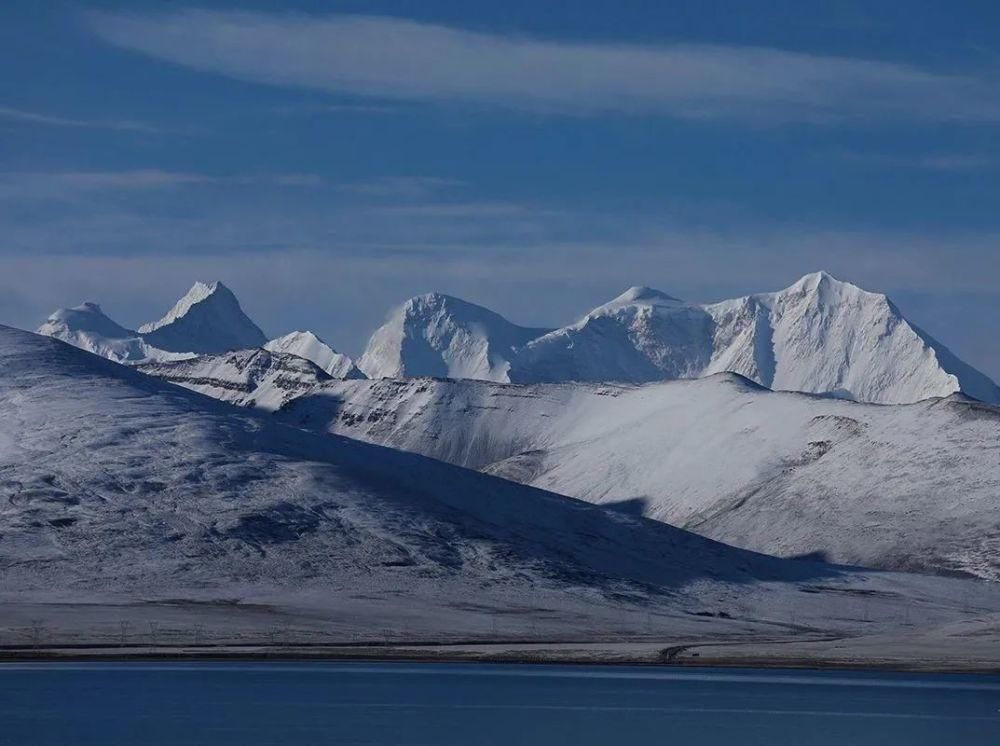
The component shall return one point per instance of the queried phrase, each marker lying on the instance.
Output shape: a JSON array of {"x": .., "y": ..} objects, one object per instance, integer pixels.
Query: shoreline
[{"x": 498, "y": 653}]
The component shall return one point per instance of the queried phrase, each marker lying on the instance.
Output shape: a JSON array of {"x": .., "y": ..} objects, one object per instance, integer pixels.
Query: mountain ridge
[{"x": 819, "y": 335}]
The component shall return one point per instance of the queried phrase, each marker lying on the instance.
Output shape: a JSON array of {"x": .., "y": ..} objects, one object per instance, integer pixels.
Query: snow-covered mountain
[
  {"x": 820, "y": 335},
  {"x": 310, "y": 347},
  {"x": 438, "y": 335},
  {"x": 87, "y": 327},
  {"x": 905, "y": 487},
  {"x": 207, "y": 319},
  {"x": 252, "y": 378},
  {"x": 117, "y": 483}
]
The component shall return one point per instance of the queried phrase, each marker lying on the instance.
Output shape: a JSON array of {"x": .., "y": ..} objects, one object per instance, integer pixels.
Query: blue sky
[{"x": 329, "y": 159}]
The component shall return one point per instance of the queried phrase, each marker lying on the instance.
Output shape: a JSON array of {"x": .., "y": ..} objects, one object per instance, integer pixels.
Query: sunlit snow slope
[{"x": 908, "y": 486}]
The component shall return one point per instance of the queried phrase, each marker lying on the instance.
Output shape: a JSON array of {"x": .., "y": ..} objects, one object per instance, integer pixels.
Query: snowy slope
[
  {"x": 310, "y": 347},
  {"x": 207, "y": 319},
  {"x": 820, "y": 335},
  {"x": 114, "y": 481},
  {"x": 87, "y": 327},
  {"x": 908, "y": 486},
  {"x": 438, "y": 335},
  {"x": 132, "y": 496},
  {"x": 252, "y": 378}
]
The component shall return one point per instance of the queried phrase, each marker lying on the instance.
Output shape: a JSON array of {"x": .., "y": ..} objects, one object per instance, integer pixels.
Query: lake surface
[{"x": 470, "y": 704}]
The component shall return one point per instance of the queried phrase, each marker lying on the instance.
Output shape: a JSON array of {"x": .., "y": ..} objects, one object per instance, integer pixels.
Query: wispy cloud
[
  {"x": 463, "y": 210},
  {"x": 30, "y": 184},
  {"x": 30, "y": 117},
  {"x": 405, "y": 187},
  {"x": 948, "y": 162},
  {"x": 404, "y": 60},
  {"x": 338, "y": 107}
]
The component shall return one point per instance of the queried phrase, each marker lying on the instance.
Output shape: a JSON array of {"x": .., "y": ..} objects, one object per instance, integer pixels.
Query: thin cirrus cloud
[
  {"x": 941, "y": 162},
  {"x": 397, "y": 59},
  {"x": 56, "y": 183},
  {"x": 9, "y": 114},
  {"x": 406, "y": 187}
]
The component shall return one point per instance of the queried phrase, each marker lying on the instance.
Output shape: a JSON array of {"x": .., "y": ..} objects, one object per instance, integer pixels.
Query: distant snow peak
[
  {"x": 642, "y": 295},
  {"x": 198, "y": 293},
  {"x": 87, "y": 327},
  {"x": 307, "y": 345},
  {"x": 820, "y": 335},
  {"x": 443, "y": 336},
  {"x": 87, "y": 316},
  {"x": 207, "y": 319}
]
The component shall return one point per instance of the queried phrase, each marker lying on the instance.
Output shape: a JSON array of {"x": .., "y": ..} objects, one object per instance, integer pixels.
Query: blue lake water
[{"x": 389, "y": 703}]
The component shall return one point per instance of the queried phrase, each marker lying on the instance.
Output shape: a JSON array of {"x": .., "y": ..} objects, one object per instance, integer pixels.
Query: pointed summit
[
  {"x": 813, "y": 280},
  {"x": 198, "y": 293},
  {"x": 207, "y": 319}
]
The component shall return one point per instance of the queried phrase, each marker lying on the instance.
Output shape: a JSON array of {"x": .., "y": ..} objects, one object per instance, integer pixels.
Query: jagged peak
[{"x": 199, "y": 293}]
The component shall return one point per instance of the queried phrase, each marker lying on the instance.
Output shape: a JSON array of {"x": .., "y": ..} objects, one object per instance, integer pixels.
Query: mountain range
[
  {"x": 119, "y": 488},
  {"x": 819, "y": 335},
  {"x": 739, "y": 420}
]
